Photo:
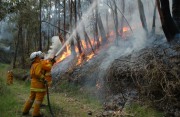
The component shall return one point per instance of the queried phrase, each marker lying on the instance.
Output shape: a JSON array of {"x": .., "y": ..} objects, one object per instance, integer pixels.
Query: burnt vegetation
[
  {"x": 150, "y": 73},
  {"x": 153, "y": 72}
]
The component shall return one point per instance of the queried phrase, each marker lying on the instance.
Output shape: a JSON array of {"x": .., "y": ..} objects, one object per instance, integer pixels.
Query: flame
[
  {"x": 86, "y": 47},
  {"x": 111, "y": 33},
  {"x": 90, "y": 56},
  {"x": 65, "y": 54},
  {"x": 80, "y": 59},
  {"x": 98, "y": 85},
  {"x": 84, "y": 44},
  {"x": 125, "y": 29}
]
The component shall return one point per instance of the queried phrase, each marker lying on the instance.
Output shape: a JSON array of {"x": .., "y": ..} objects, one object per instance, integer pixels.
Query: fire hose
[{"x": 48, "y": 100}]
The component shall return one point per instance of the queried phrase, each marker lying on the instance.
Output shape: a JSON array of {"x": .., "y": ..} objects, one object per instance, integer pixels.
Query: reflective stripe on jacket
[{"x": 37, "y": 73}]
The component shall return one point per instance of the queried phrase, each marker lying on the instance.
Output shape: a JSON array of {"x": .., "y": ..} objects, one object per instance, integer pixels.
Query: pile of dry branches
[{"x": 153, "y": 71}]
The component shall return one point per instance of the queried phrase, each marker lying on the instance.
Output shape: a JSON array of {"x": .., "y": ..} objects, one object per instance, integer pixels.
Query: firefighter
[
  {"x": 38, "y": 89},
  {"x": 10, "y": 77},
  {"x": 47, "y": 73}
]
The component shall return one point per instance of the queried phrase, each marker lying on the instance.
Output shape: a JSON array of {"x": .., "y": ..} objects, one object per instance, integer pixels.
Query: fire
[
  {"x": 98, "y": 85},
  {"x": 125, "y": 29},
  {"x": 65, "y": 54},
  {"x": 80, "y": 59},
  {"x": 85, "y": 47},
  {"x": 111, "y": 33},
  {"x": 90, "y": 56},
  {"x": 84, "y": 44}
]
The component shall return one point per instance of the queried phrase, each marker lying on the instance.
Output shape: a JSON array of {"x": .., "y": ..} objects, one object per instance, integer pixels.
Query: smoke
[
  {"x": 78, "y": 27},
  {"x": 5, "y": 30},
  {"x": 56, "y": 45},
  {"x": 4, "y": 47},
  {"x": 138, "y": 39}
]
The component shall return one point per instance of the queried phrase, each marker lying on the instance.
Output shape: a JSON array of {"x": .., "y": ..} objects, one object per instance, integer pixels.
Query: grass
[
  {"x": 12, "y": 97},
  {"x": 68, "y": 101},
  {"x": 73, "y": 102},
  {"x": 143, "y": 111}
]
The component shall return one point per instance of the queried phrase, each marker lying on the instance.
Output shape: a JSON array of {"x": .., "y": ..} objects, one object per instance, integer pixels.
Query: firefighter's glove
[
  {"x": 42, "y": 79},
  {"x": 53, "y": 60},
  {"x": 45, "y": 82}
]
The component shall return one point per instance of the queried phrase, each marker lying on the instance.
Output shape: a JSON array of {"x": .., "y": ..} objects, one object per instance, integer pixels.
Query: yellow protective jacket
[
  {"x": 47, "y": 71},
  {"x": 10, "y": 77},
  {"x": 37, "y": 72}
]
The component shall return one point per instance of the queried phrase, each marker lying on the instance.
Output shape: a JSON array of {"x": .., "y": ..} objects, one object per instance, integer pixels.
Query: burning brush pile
[{"x": 153, "y": 72}]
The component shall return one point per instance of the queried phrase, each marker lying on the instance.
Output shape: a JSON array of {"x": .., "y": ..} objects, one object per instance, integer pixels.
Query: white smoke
[
  {"x": 139, "y": 40},
  {"x": 56, "y": 45},
  {"x": 78, "y": 27}
]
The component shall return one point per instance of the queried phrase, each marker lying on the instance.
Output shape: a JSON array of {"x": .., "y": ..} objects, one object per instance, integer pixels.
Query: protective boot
[
  {"x": 27, "y": 107},
  {"x": 41, "y": 115},
  {"x": 38, "y": 101},
  {"x": 36, "y": 111}
]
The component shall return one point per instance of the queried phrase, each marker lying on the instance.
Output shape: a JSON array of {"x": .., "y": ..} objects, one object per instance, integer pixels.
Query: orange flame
[
  {"x": 65, "y": 54},
  {"x": 98, "y": 85},
  {"x": 125, "y": 29},
  {"x": 85, "y": 46},
  {"x": 90, "y": 56},
  {"x": 79, "y": 61}
]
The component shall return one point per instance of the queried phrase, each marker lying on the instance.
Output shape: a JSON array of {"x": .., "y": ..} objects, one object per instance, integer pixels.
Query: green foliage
[
  {"x": 67, "y": 103},
  {"x": 143, "y": 111},
  {"x": 20, "y": 71},
  {"x": 8, "y": 102},
  {"x": 75, "y": 90},
  {"x": 65, "y": 86}
]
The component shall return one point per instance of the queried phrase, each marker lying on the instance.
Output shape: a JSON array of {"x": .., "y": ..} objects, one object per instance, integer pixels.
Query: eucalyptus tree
[
  {"x": 154, "y": 20},
  {"x": 122, "y": 18},
  {"x": 176, "y": 12},
  {"x": 86, "y": 37},
  {"x": 77, "y": 35},
  {"x": 112, "y": 5},
  {"x": 25, "y": 18},
  {"x": 71, "y": 26},
  {"x": 142, "y": 15},
  {"x": 96, "y": 24},
  {"x": 168, "y": 25}
]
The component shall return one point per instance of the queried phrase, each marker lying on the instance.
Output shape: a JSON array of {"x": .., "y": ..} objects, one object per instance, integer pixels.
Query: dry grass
[{"x": 154, "y": 72}]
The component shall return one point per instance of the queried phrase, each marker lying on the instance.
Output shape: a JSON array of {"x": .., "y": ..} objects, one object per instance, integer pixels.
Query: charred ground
[{"x": 151, "y": 73}]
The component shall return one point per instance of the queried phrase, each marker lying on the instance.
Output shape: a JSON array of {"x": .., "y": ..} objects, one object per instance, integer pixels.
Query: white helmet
[
  {"x": 40, "y": 54},
  {"x": 33, "y": 56},
  {"x": 36, "y": 54}
]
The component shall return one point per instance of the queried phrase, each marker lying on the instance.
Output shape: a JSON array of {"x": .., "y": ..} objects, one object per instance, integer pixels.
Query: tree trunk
[
  {"x": 142, "y": 16},
  {"x": 16, "y": 50},
  {"x": 83, "y": 26},
  {"x": 96, "y": 25},
  {"x": 168, "y": 25},
  {"x": 107, "y": 24},
  {"x": 73, "y": 52},
  {"x": 77, "y": 36},
  {"x": 88, "y": 40},
  {"x": 122, "y": 18},
  {"x": 49, "y": 31},
  {"x": 101, "y": 29},
  {"x": 154, "y": 21},
  {"x": 116, "y": 23},
  {"x": 40, "y": 40},
  {"x": 176, "y": 12},
  {"x": 65, "y": 19},
  {"x": 20, "y": 36}
]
